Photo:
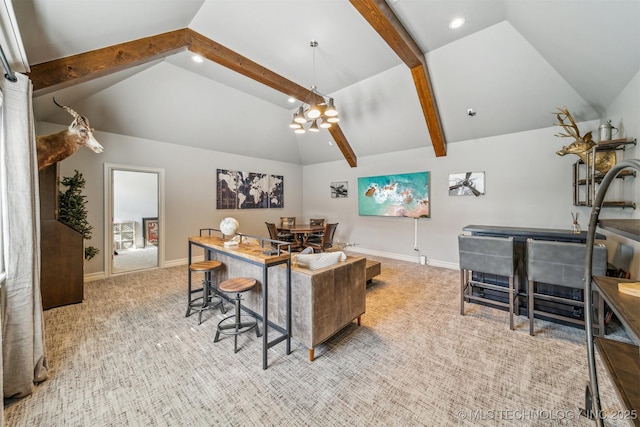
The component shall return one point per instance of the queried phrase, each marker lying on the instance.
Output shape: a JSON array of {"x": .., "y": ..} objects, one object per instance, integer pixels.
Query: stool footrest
[{"x": 246, "y": 324}]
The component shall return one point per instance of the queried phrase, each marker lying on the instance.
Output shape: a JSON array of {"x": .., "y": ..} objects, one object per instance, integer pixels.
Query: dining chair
[
  {"x": 316, "y": 236},
  {"x": 275, "y": 235},
  {"x": 483, "y": 260},
  {"x": 287, "y": 221},
  {"x": 326, "y": 241},
  {"x": 316, "y": 221},
  {"x": 562, "y": 264}
]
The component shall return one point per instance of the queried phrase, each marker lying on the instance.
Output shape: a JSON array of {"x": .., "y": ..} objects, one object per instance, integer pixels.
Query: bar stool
[
  {"x": 237, "y": 324},
  {"x": 208, "y": 300}
]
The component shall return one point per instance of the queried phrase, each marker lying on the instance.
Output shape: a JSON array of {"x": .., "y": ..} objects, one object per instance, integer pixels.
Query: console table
[
  {"x": 520, "y": 236},
  {"x": 252, "y": 257}
]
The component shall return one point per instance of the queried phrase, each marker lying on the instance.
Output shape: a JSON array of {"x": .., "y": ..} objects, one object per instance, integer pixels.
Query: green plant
[{"x": 72, "y": 210}]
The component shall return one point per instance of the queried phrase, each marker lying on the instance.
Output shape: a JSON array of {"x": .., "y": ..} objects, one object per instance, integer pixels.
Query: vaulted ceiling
[{"x": 513, "y": 63}]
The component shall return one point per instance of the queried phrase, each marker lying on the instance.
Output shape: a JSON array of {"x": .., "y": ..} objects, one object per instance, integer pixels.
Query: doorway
[{"x": 133, "y": 218}]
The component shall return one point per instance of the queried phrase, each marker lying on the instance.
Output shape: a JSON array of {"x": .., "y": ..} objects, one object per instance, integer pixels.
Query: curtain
[{"x": 24, "y": 361}]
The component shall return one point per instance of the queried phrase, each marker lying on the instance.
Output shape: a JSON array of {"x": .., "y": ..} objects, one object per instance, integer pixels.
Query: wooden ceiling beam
[
  {"x": 343, "y": 145},
  {"x": 64, "y": 72},
  {"x": 382, "y": 18},
  {"x": 60, "y": 73}
]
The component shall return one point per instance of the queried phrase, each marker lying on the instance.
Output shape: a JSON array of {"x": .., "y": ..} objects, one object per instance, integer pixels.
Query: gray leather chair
[
  {"x": 493, "y": 256},
  {"x": 561, "y": 264}
]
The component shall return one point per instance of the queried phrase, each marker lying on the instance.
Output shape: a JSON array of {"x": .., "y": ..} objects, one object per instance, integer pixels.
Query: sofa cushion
[{"x": 321, "y": 260}]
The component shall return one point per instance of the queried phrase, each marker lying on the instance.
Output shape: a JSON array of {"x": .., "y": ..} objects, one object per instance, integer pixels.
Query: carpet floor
[{"x": 128, "y": 356}]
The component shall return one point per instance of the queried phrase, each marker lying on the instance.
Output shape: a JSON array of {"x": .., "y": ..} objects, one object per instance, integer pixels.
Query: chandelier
[{"x": 317, "y": 109}]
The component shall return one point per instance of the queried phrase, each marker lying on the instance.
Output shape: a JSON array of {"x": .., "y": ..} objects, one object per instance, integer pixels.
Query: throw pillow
[{"x": 321, "y": 260}]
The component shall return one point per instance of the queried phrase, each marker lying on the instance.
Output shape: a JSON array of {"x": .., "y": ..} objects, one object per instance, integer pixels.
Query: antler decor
[{"x": 604, "y": 160}]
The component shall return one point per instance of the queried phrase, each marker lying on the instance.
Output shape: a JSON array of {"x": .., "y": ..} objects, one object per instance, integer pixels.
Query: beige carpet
[
  {"x": 135, "y": 259},
  {"x": 127, "y": 356}
]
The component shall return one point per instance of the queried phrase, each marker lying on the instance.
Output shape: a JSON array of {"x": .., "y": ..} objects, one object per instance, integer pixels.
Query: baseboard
[
  {"x": 167, "y": 264},
  {"x": 444, "y": 264},
  {"x": 94, "y": 276},
  {"x": 400, "y": 257},
  {"x": 409, "y": 258}
]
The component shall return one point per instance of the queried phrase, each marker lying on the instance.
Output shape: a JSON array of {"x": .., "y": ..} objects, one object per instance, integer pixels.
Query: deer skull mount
[
  {"x": 604, "y": 160},
  {"x": 56, "y": 147}
]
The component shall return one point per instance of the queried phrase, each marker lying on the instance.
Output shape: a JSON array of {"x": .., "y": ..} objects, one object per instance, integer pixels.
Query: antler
[
  {"x": 571, "y": 129},
  {"x": 68, "y": 110}
]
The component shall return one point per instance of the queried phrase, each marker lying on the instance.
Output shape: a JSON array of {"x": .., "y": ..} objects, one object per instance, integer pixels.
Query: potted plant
[{"x": 73, "y": 211}]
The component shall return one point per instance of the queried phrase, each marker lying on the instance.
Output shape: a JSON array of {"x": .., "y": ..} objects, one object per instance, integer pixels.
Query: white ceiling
[{"x": 513, "y": 62}]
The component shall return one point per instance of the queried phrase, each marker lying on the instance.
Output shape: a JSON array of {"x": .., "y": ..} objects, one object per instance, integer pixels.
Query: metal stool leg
[
  {"x": 237, "y": 325},
  {"x": 208, "y": 300}
]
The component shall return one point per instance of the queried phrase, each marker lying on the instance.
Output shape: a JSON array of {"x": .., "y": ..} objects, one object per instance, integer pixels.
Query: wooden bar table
[{"x": 254, "y": 251}]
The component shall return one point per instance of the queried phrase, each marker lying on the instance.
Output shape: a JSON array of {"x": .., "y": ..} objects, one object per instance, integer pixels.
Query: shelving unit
[
  {"x": 586, "y": 178},
  {"x": 622, "y": 360},
  {"x": 124, "y": 235}
]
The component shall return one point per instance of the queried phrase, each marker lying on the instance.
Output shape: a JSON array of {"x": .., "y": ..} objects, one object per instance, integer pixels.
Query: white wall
[
  {"x": 527, "y": 185},
  {"x": 190, "y": 187},
  {"x": 624, "y": 114}
]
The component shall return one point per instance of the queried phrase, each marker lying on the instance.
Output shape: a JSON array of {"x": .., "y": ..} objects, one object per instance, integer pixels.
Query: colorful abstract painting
[{"x": 404, "y": 195}]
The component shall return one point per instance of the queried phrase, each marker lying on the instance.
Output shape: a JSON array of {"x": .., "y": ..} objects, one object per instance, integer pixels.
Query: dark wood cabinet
[{"x": 61, "y": 249}]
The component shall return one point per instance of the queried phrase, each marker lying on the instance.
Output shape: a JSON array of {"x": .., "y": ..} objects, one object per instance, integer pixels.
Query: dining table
[{"x": 301, "y": 232}]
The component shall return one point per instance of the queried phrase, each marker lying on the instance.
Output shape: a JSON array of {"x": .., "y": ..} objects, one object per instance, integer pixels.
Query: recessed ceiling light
[
  {"x": 197, "y": 58},
  {"x": 456, "y": 23},
  {"x": 291, "y": 100}
]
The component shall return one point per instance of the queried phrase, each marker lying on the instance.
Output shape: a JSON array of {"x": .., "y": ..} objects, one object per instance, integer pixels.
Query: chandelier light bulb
[
  {"x": 325, "y": 124},
  {"x": 331, "y": 109},
  {"x": 294, "y": 124},
  {"x": 300, "y": 130},
  {"x": 314, "y": 112},
  {"x": 299, "y": 116},
  {"x": 334, "y": 119},
  {"x": 314, "y": 126}
]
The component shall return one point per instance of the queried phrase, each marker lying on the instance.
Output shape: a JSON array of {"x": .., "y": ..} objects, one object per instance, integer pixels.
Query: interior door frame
[{"x": 109, "y": 168}]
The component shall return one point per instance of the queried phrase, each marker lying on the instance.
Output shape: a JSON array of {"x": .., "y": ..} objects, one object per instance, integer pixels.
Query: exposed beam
[
  {"x": 429, "y": 109},
  {"x": 71, "y": 70},
  {"x": 64, "y": 72},
  {"x": 343, "y": 144},
  {"x": 226, "y": 57},
  {"x": 382, "y": 18}
]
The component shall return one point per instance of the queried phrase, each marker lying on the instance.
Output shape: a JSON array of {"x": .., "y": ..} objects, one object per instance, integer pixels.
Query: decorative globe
[{"x": 229, "y": 226}]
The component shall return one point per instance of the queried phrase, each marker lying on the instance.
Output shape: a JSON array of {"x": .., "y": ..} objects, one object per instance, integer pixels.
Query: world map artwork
[{"x": 248, "y": 190}]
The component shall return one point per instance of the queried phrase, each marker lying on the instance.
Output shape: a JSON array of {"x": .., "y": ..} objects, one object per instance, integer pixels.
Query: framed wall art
[
  {"x": 404, "y": 195},
  {"x": 339, "y": 189},
  {"x": 466, "y": 184},
  {"x": 248, "y": 190},
  {"x": 150, "y": 231}
]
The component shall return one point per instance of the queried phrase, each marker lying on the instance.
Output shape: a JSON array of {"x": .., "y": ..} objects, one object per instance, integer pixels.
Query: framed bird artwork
[{"x": 466, "y": 184}]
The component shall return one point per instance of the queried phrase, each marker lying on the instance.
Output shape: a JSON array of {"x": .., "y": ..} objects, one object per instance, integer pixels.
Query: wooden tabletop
[
  {"x": 301, "y": 228},
  {"x": 249, "y": 250}
]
